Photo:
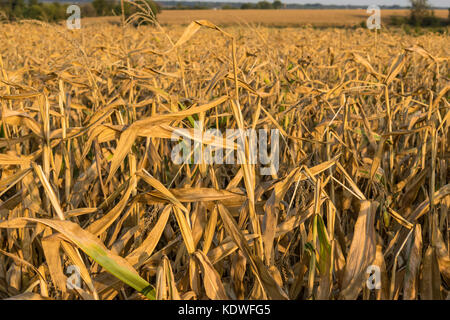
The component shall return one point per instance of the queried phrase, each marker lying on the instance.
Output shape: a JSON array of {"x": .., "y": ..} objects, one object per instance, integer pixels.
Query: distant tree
[
  {"x": 34, "y": 11},
  {"x": 420, "y": 10},
  {"x": 103, "y": 7},
  {"x": 99, "y": 6},
  {"x": 56, "y": 11},
  {"x": 277, "y": 4},
  {"x": 247, "y": 6},
  {"x": 88, "y": 10},
  {"x": 12, "y": 9},
  {"x": 147, "y": 8},
  {"x": 264, "y": 5},
  {"x": 17, "y": 4}
]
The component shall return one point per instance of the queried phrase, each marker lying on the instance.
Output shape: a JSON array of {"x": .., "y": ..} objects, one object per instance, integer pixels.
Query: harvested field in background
[
  {"x": 87, "y": 178},
  {"x": 273, "y": 17}
]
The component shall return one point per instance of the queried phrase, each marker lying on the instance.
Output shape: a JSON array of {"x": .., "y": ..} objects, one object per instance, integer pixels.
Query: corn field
[{"x": 93, "y": 207}]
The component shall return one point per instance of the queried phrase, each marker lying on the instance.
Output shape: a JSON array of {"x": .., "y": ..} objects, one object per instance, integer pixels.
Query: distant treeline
[
  {"x": 188, "y": 5},
  {"x": 198, "y": 5},
  {"x": 263, "y": 5},
  {"x": 32, "y": 9},
  {"x": 14, "y": 10}
]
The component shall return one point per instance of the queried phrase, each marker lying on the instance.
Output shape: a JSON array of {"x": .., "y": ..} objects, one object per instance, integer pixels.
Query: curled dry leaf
[{"x": 362, "y": 250}]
